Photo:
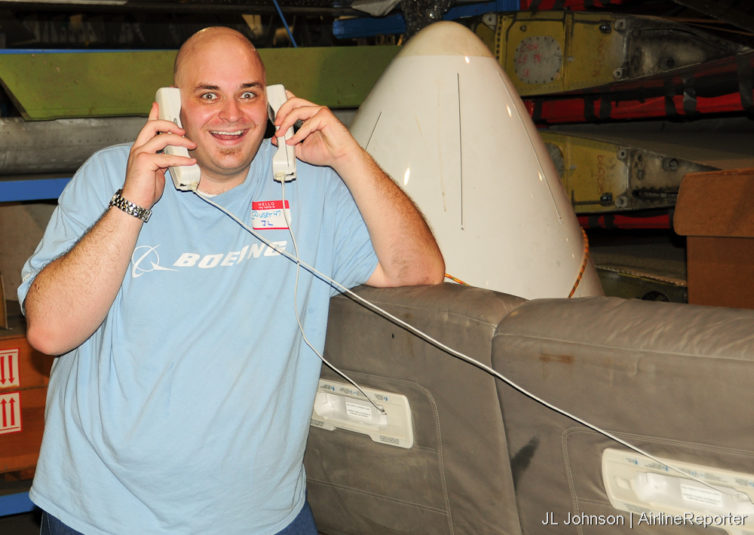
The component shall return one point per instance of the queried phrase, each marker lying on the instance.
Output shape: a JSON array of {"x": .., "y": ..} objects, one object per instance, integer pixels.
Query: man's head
[{"x": 224, "y": 105}]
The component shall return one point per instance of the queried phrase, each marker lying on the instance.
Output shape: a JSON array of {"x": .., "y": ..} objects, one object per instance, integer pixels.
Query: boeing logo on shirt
[{"x": 146, "y": 259}]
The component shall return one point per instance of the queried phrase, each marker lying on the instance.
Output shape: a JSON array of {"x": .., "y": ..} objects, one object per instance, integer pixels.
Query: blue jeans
[
  {"x": 303, "y": 524},
  {"x": 52, "y": 526}
]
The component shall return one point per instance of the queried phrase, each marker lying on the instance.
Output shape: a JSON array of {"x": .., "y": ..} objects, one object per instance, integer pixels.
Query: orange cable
[
  {"x": 454, "y": 279},
  {"x": 583, "y": 263}
]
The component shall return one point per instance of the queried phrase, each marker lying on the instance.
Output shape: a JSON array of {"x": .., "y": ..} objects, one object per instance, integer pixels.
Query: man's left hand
[{"x": 321, "y": 139}]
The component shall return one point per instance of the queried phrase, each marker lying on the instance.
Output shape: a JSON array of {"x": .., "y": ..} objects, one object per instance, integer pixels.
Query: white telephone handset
[
  {"x": 284, "y": 161},
  {"x": 185, "y": 177}
]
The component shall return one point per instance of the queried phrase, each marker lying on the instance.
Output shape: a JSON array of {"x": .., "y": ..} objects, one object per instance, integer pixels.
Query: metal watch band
[{"x": 130, "y": 208}]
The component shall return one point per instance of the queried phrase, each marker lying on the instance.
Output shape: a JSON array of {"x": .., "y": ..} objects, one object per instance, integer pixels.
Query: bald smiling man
[{"x": 181, "y": 395}]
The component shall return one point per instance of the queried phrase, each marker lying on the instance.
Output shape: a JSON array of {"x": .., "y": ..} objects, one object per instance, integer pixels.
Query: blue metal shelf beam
[
  {"x": 395, "y": 24},
  {"x": 34, "y": 189},
  {"x": 13, "y": 504}
]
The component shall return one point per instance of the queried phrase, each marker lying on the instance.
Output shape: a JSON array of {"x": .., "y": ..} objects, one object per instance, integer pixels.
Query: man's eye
[
  {"x": 208, "y": 96},
  {"x": 248, "y": 95}
]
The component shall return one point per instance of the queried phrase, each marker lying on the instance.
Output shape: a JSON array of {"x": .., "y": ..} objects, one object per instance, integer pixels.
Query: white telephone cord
[{"x": 299, "y": 263}]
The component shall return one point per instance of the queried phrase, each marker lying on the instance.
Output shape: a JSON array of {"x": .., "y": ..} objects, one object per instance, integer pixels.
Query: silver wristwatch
[{"x": 129, "y": 207}]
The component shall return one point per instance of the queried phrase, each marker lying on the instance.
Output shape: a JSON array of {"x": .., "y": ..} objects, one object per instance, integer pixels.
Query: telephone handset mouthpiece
[
  {"x": 185, "y": 177},
  {"x": 284, "y": 160}
]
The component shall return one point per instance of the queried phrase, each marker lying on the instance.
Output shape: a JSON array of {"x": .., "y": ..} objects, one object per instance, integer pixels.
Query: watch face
[{"x": 538, "y": 59}]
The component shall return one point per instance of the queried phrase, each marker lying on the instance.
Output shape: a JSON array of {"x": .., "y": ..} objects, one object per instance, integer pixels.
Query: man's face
[{"x": 224, "y": 109}]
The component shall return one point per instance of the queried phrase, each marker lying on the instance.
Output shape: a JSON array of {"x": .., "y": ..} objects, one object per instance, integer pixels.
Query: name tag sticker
[{"x": 270, "y": 215}]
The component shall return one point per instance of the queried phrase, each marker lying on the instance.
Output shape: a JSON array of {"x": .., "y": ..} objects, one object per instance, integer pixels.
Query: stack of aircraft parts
[
  {"x": 584, "y": 71},
  {"x": 627, "y": 106}
]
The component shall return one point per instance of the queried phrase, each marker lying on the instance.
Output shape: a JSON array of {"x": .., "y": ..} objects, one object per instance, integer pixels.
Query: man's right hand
[
  {"x": 147, "y": 164},
  {"x": 71, "y": 296}
]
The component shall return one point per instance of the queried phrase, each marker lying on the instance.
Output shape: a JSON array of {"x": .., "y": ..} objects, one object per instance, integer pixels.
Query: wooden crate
[
  {"x": 714, "y": 212},
  {"x": 24, "y": 375}
]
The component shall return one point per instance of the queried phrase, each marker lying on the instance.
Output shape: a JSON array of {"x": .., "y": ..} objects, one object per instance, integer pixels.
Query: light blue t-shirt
[{"x": 187, "y": 410}]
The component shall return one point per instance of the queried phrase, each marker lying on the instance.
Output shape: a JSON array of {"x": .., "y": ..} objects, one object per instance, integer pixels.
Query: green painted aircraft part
[
  {"x": 87, "y": 84},
  {"x": 338, "y": 77},
  {"x": 59, "y": 85}
]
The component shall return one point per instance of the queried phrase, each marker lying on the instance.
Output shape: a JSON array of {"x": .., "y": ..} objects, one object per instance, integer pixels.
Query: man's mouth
[{"x": 227, "y": 135}]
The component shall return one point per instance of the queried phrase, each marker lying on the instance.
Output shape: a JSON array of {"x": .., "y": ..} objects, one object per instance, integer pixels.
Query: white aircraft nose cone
[
  {"x": 445, "y": 39},
  {"x": 447, "y": 124}
]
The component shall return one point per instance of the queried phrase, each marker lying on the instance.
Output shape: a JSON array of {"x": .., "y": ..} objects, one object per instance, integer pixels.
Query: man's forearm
[
  {"x": 71, "y": 296},
  {"x": 408, "y": 253}
]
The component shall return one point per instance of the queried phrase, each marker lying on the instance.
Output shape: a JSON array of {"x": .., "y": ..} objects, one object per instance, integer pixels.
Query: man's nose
[{"x": 230, "y": 110}]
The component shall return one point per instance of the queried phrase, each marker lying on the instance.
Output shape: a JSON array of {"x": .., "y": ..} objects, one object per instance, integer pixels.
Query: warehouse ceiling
[{"x": 166, "y": 23}]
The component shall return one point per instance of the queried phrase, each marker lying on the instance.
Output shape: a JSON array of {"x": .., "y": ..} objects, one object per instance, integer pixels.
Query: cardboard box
[
  {"x": 24, "y": 376},
  {"x": 714, "y": 211}
]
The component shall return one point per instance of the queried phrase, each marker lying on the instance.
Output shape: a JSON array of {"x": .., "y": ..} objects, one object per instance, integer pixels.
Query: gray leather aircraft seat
[
  {"x": 456, "y": 478},
  {"x": 673, "y": 379}
]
